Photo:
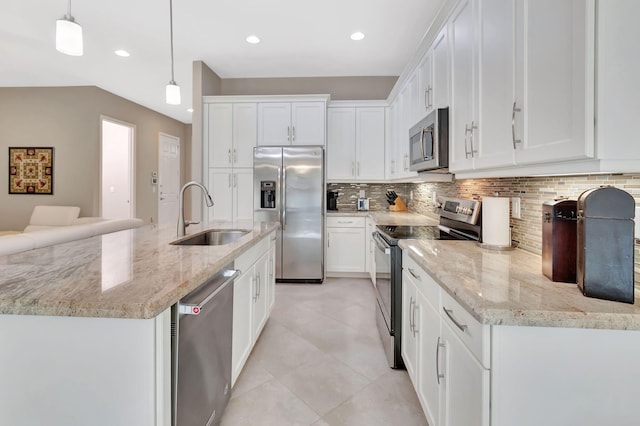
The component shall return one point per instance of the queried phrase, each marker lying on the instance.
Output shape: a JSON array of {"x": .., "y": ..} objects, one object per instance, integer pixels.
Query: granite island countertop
[
  {"x": 508, "y": 288},
  {"x": 128, "y": 274}
]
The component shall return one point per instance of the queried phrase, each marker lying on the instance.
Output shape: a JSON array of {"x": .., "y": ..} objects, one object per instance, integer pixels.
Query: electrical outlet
[
  {"x": 515, "y": 207},
  {"x": 362, "y": 193}
]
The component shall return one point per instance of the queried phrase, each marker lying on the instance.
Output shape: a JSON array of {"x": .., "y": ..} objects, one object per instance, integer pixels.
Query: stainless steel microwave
[{"x": 429, "y": 142}]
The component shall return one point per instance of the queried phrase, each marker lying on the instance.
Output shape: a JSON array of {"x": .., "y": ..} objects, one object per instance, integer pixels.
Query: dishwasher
[{"x": 201, "y": 328}]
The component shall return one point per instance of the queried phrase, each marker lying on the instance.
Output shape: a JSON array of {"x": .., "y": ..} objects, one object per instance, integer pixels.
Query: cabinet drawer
[
  {"x": 246, "y": 260},
  {"x": 474, "y": 335},
  {"x": 424, "y": 283},
  {"x": 345, "y": 222}
]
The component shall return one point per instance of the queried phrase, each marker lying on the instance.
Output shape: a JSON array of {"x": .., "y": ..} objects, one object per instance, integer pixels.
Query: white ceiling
[{"x": 300, "y": 38}]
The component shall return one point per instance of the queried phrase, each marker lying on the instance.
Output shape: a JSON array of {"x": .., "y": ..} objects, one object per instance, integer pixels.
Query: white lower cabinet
[
  {"x": 346, "y": 245},
  {"x": 253, "y": 296},
  {"x": 442, "y": 352}
]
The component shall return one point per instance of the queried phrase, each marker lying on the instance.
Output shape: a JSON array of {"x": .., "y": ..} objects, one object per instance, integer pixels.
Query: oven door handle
[{"x": 382, "y": 245}]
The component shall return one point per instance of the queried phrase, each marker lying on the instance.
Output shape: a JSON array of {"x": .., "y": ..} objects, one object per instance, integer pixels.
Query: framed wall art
[{"x": 31, "y": 170}]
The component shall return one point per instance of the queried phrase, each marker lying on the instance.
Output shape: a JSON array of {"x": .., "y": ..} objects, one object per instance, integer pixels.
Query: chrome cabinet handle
[
  {"x": 466, "y": 132},
  {"x": 289, "y": 133},
  {"x": 438, "y": 346},
  {"x": 415, "y": 308},
  {"x": 426, "y": 99},
  {"x": 461, "y": 327},
  {"x": 229, "y": 155},
  {"x": 358, "y": 168},
  {"x": 411, "y": 303},
  {"x": 259, "y": 285},
  {"x": 513, "y": 125},
  {"x": 235, "y": 155},
  {"x": 283, "y": 188},
  {"x": 413, "y": 274},
  {"x": 229, "y": 175},
  {"x": 235, "y": 180},
  {"x": 473, "y": 127},
  {"x": 328, "y": 240},
  {"x": 353, "y": 168},
  {"x": 430, "y": 96},
  {"x": 293, "y": 133}
]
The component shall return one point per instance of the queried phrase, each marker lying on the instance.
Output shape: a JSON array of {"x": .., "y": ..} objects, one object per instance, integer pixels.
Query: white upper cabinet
[
  {"x": 438, "y": 96},
  {"x": 554, "y": 80},
  {"x": 425, "y": 84},
  {"x": 231, "y": 130},
  {"x": 355, "y": 143},
  {"x": 291, "y": 123}
]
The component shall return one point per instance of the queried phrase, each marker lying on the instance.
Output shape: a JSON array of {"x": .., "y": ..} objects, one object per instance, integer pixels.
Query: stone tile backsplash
[
  {"x": 526, "y": 232},
  {"x": 376, "y": 192}
]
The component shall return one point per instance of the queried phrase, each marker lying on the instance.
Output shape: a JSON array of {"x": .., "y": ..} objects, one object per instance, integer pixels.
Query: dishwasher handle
[{"x": 195, "y": 308}]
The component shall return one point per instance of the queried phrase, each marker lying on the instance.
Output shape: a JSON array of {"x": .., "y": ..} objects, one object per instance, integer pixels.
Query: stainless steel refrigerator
[{"x": 288, "y": 185}]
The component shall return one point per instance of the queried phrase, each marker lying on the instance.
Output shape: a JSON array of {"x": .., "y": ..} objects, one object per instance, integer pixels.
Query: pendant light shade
[
  {"x": 69, "y": 35},
  {"x": 172, "y": 90},
  {"x": 173, "y": 93}
]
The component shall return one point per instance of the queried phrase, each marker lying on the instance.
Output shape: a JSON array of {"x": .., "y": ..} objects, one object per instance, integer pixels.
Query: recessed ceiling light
[
  {"x": 357, "y": 36},
  {"x": 190, "y": 110},
  {"x": 123, "y": 53},
  {"x": 253, "y": 39}
]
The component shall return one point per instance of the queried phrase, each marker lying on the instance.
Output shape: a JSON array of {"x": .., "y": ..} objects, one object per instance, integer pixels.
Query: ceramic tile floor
[{"x": 319, "y": 361}]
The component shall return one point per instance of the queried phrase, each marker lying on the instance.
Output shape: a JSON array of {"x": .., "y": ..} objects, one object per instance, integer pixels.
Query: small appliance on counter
[
  {"x": 559, "y": 240},
  {"x": 604, "y": 264},
  {"x": 363, "y": 204},
  {"x": 332, "y": 200}
]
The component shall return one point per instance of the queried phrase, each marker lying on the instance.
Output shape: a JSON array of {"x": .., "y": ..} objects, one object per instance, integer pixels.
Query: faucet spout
[{"x": 182, "y": 224}]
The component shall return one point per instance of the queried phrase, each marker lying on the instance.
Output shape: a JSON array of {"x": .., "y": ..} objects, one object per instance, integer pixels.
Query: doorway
[
  {"x": 168, "y": 178},
  {"x": 117, "y": 174}
]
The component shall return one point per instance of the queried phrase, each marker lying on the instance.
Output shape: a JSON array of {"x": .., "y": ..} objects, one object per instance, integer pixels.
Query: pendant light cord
[
  {"x": 171, "y": 31},
  {"x": 69, "y": 17}
]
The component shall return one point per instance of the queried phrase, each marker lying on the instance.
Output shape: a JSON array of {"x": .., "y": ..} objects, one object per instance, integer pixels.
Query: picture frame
[{"x": 31, "y": 170}]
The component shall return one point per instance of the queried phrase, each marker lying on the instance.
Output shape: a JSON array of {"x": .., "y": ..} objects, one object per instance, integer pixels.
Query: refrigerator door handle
[{"x": 283, "y": 189}]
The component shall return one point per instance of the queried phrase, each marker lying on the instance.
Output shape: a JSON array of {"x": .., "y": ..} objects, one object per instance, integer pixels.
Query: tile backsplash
[{"x": 526, "y": 232}]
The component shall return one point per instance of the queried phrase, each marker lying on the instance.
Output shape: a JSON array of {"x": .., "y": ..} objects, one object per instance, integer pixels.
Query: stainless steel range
[{"x": 458, "y": 221}]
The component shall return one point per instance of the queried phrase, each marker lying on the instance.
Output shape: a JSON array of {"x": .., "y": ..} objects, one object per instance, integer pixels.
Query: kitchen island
[
  {"x": 491, "y": 338},
  {"x": 85, "y": 325}
]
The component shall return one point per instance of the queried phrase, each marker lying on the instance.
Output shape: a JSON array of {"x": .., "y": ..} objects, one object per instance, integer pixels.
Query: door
[
  {"x": 462, "y": 118},
  {"x": 168, "y": 178},
  {"x": 267, "y": 167},
  {"x": 346, "y": 250},
  {"x": 308, "y": 123},
  {"x": 274, "y": 123},
  {"x": 556, "y": 101},
  {"x": 221, "y": 186},
  {"x": 303, "y": 213},
  {"x": 220, "y": 135},
  {"x": 245, "y": 134},
  {"x": 117, "y": 149},
  {"x": 369, "y": 143},
  {"x": 341, "y": 143}
]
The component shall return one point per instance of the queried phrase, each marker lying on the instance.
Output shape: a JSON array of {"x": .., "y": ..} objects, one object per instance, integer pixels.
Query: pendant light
[
  {"x": 172, "y": 90},
  {"x": 69, "y": 34}
]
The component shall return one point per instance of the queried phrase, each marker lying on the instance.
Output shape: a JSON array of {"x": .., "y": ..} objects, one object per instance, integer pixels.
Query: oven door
[{"x": 383, "y": 276}]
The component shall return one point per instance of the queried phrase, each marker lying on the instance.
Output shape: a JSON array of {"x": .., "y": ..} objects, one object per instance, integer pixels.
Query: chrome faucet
[{"x": 182, "y": 224}]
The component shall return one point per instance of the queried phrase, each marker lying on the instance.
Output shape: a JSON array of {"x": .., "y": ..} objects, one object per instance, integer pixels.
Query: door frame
[
  {"x": 160, "y": 134},
  {"x": 132, "y": 164}
]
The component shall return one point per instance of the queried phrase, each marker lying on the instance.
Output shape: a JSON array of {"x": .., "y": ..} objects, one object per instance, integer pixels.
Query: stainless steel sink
[{"x": 212, "y": 237}]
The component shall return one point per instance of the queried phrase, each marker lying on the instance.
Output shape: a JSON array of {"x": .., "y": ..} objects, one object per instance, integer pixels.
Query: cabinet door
[
  {"x": 221, "y": 188},
  {"x": 341, "y": 141},
  {"x": 555, "y": 83},
  {"x": 392, "y": 141},
  {"x": 409, "y": 348},
  {"x": 308, "y": 123},
  {"x": 260, "y": 294},
  {"x": 242, "y": 322},
  {"x": 415, "y": 100},
  {"x": 441, "y": 67},
  {"x": 462, "y": 117},
  {"x": 245, "y": 133},
  {"x": 345, "y": 250},
  {"x": 242, "y": 194},
  {"x": 369, "y": 143},
  {"x": 425, "y": 84},
  {"x": 220, "y": 124},
  {"x": 274, "y": 123},
  {"x": 493, "y": 138},
  {"x": 271, "y": 278},
  {"x": 466, "y": 384},
  {"x": 428, "y": 331},
  {"x": 405, "y": 122}
]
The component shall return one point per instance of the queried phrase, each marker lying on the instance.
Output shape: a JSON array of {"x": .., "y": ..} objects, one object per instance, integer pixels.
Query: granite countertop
[
  {"x": 128, "y": 274},
  {"x": 386, "y": 218},
  {"x": 508, "y": 288}
]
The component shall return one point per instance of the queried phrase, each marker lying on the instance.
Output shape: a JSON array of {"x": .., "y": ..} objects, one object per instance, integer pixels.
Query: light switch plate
[{"x": 515, "y": 207}]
